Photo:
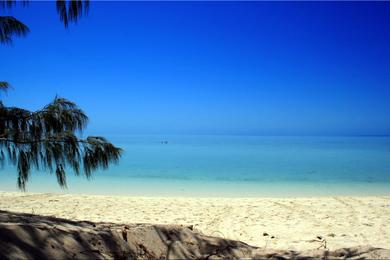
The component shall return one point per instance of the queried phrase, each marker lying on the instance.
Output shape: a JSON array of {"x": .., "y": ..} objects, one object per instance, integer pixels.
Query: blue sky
[{"x": 210, "y": 67}]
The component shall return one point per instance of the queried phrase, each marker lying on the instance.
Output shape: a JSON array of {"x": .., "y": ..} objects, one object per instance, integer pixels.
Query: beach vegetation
[{"x": 49, "y": 139}]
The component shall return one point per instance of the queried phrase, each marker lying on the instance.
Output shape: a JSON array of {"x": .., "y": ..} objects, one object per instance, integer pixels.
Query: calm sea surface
[{"x": 234, "y": 166}]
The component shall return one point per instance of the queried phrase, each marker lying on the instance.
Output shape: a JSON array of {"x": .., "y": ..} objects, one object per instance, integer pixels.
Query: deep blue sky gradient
[{"x": 307, "y": 68}]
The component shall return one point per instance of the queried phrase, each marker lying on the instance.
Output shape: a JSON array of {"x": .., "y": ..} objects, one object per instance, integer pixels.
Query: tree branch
[{"x": 50, "y": 140}]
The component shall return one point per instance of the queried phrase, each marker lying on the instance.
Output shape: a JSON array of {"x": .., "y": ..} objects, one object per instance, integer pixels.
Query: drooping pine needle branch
[
  {"x": 46, "y": 140},
  {"x": 69, "y": 11},
  {"x": 10, "y": 27}
]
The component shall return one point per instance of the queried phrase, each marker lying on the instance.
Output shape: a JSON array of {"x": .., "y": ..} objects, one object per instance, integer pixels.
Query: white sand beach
[{"x": 277, "y": 223}]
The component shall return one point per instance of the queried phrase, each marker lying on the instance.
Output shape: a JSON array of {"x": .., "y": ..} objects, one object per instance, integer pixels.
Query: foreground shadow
[{"x": 27, "y": 236}]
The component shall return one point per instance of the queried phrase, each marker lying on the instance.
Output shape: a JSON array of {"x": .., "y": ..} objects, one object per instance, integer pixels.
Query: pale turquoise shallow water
[{"x": 235, "y": 166}]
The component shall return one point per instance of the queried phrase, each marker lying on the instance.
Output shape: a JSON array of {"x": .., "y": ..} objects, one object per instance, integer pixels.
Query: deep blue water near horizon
[{"x": 201, "y": 165}]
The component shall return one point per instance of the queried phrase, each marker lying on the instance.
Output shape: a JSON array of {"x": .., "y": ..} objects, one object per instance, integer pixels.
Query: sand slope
[
  {"x": 26, "y": 236},
  {"x": 294, "y": 223}
]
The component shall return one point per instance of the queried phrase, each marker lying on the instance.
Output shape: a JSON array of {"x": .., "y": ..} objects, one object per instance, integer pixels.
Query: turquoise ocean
[{"x": 233, "y": 166}]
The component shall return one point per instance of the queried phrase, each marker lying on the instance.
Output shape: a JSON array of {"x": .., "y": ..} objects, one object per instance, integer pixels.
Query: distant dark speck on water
[{"x": 164, "y": 142}]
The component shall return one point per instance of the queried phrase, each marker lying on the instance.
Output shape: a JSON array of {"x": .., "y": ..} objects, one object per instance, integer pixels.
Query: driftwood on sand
[{"x": 27, "y": 236}]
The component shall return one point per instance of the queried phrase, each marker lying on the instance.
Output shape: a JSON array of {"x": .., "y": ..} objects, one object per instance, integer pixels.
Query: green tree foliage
[{"x": 47, "y": 139}]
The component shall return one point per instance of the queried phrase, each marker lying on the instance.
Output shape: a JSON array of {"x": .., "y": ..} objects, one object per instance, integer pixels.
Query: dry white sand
[{"x": 294, "y": 222}]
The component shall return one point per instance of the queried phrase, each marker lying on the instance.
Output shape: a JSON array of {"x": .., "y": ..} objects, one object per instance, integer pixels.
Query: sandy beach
[{"x": 277, "y": 223}]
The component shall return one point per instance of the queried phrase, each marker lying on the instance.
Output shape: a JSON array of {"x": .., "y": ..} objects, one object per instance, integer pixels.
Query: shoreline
[
  {"x": 173, "y": 196},
  {"x": 147, "y": 187},
  {"x": 344, "y": 221}
]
